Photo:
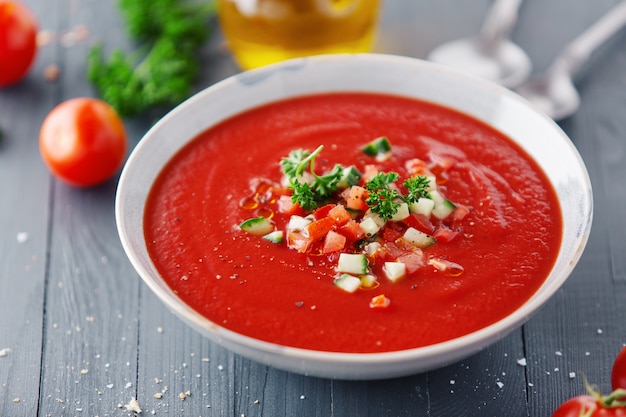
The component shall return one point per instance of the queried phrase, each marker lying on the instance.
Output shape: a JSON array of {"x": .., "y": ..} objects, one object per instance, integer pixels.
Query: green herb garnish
[
  {"x": 303, "y": 195},
  {"x": 321, "y": 187},
  {"x": 383, "y": 200},
  {"x": 418, "y": 188},
  {"x": 161, "y": 72}
]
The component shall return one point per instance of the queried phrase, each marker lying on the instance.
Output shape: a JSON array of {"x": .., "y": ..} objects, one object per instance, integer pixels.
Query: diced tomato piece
[
  {"x": 390, "y": 235},
  {"x": 339, "y": 214},
  {"x": 380, "y": 301},
  {"x": 415, "y": 166},
  {"x": 333, "y": 242},
  {"x": 352, "y": 231},
  {"x": 356, "y": 198},
  {"x": 413, "y": 261},
  {"x": 440, "y": 164},
  {"x": 444, "y": 234},
  {"x": 323, "y": 211},
  {"x": 368, "y": 172},
  {"x": 459, "y": 213},
  {"x": 287, "y": 206},
  {"x": 298, "y": 241},
  {"x": 393, "y": 250},
  {"x": 419, "y": 222},
  {"x": 319, "y": 228}
]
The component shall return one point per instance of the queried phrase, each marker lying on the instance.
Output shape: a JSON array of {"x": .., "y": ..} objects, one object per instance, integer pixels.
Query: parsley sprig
[
  {"x": 385, "y": 200},
  {"x": 160, "y": 73},
  {"x": 321, "y": 187},
  {"x": 418, "y": 188}
]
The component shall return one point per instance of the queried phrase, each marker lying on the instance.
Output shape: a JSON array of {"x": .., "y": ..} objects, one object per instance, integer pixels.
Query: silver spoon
[
  {"x": 554, "y": 92},
  {"x": 490, "y": 54}
]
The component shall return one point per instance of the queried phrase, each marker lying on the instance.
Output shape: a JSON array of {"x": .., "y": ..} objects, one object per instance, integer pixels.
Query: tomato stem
[{"x": 616, "y": 399}]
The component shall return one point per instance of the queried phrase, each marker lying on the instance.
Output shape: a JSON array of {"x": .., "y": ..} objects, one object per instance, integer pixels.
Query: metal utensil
[
  {"x": 490, "y": 54},
  {"x": 554, "y": 92}
]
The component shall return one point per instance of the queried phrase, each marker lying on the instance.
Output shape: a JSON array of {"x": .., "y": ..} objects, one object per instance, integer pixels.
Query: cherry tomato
[
  {"x": 587, "y": 406},
  {"x": 83, "y": 141},
  {"x": 18, "y": 41},
  {"x": 618, "y": 373}
]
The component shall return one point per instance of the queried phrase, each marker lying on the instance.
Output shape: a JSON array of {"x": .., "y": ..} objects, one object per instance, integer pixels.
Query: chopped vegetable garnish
[
  {"x": 321, "y": 186},
  {"x": 383, "y": 200},
  {"x": 259, "y": 226},
  {"x": 348, "y": 283},
  {"x": 379, "y": 148},
  {"x": 368, "y": 224},
  {"x": 380, "y": 301}
]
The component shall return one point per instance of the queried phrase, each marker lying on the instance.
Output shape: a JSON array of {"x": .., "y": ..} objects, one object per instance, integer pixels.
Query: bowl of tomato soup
[{"x": 354, "y": 216}]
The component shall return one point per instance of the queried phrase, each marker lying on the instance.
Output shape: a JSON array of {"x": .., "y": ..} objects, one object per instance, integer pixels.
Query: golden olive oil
[{"x": 260, "y": 32}]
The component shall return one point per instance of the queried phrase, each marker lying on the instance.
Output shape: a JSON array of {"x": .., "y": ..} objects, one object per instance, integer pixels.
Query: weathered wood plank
[
  {"x": 581, "y": 330},
  {"x": 108, "y": 339},
  {"x": 90, "y": 347},
  {"x": 24, "y": 212}
]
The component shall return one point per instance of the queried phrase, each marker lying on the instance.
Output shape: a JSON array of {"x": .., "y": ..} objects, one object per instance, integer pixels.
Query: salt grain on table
[{"x": 133, "y": 406}]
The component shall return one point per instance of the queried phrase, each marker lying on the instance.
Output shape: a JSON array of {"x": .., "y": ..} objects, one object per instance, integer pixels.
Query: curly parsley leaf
[
  {"x": 320, "y": 188},
  {"x": 383, "y": 200},
  {"x": 418, "y": 188},
  {"x": 303, "y": 195},
  {"x": 324, "y": 186},
  {"x": 295, "y": 163}
]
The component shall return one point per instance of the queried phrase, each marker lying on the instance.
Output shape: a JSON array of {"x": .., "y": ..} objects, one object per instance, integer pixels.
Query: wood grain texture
[
  {"x": 82, "y": 335},
  {"x": 24, "y": 224}
]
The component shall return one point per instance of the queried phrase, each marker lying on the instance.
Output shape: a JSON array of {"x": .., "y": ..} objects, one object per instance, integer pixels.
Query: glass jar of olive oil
[{"x": 260, "y": 32}]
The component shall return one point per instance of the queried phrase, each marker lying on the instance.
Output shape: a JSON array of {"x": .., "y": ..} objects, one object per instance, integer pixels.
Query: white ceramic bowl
[{"x": 495, "y": 105}]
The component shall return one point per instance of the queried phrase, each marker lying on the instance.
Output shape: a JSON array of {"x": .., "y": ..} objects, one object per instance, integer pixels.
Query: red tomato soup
[{"x": 486, "y": 257}]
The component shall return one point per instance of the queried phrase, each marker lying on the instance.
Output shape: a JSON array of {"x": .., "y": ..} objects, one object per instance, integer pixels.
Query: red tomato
[
  {"x": 618, "y": 373},
  {"x": 18, "y": 41},
  {"x": 588, "y": 406},
  {"x": 333, "y": 242},
  {"x": 287, "y": 206},
  {"x": 356, "y": 198},
  {"x": 319, "y": 228},
  {"x": 83, "y": 141}
]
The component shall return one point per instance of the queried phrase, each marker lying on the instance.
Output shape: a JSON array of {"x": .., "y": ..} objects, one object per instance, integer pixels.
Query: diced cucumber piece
[
  {"x": 348, "y": 283},
  {"x": 372, "y": 247},
  {"x": 444, "y": 209},
  {"x": 369, "y": 227},
  {"x": 353, "y": 263},
  {"x": 379, "y": 148},
  {"x": 394, "y": 270},
  {"x": 379, "y": 220},
  {"x": 436, "y": 197},
  {"x": 418, "y": 238},
  {"x": 368, "y": 280},
  {"x": 258, "y": 226},
  {"x": 402, "y": 213},
  {"x": 275, "y": 237},
  {"x": 350, "y": 176},
  {"x": 423, "y": 206}
]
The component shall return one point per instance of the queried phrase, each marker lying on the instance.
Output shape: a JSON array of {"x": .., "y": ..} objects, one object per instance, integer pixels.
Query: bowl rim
[{"x": 322, "y": 363}]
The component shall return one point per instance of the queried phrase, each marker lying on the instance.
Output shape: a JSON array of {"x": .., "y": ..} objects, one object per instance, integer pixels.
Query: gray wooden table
[{"x": 80, "y": 334}]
